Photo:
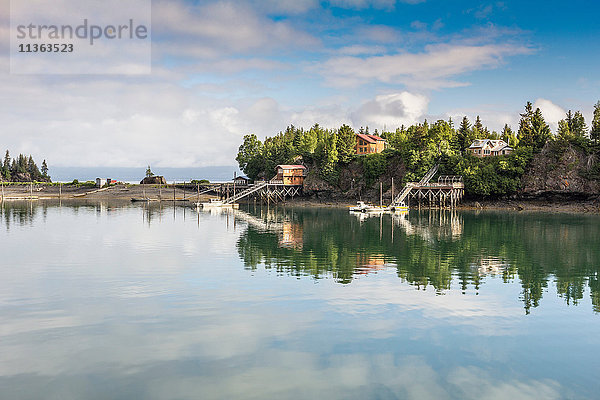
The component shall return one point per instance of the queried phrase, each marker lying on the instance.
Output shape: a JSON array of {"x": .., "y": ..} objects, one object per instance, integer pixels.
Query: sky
[{"x": 224, "y": 69}]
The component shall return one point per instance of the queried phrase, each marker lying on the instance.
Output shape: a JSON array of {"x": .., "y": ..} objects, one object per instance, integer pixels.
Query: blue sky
[{"x": 224, "y": 69}]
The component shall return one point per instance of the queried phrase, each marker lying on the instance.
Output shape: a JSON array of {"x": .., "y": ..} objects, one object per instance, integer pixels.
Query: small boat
[
  {"x": 137, "y": 199},
  {"x": 363, "y": 207},
  {"x": 359, "y": 207},
  {"x": 399, "y": 207}
]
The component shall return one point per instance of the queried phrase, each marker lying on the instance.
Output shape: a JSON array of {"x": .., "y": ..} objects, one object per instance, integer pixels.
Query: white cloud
[
  {"x": 552, "y": 113},
  {"x": 218, "y": 29},
  {"x": 432, "y": 68},
  {"x": 379, "y": 4},
  {"x": 391, "y": 110}
]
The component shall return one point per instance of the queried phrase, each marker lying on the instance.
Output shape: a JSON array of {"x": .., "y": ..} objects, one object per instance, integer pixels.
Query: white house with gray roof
[{"x": 488, "y": 147}]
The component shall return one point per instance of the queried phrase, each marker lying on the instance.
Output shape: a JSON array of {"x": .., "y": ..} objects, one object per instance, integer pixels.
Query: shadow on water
[{"x": 442, "y": 250}]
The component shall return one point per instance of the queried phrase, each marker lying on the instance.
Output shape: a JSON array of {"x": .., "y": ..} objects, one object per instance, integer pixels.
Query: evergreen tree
[
  {"x": 508, "y": 136},
  {"x": 533, "y": 130},
  {"x": 44, "y": 170},
  {"x": 32, "y": 169},
  {"x": 149, "y": 172},
  {"x": 7, "y": 161},
  {"x": 478, "y": 129},
  {"x": 564, "y": 132},
  {"x": 298, "y": 133},
  {"x": 21, "y": 164},
  {"x": 576, "y": 122},
  {"x": 464, "y": 134},
  {"x": 595, "y": 129},
  {"x": 330, "y": 158},
  {"x": 308, "y": 143},
  {"x": 346, "y": 143}
]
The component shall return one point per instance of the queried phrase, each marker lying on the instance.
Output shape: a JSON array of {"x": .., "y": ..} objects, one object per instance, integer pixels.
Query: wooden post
[
  {"x": 380, "y": 194},
  {"x": 173, "y": 194},
  {"x": 31, "y": 190},
  {"x": 3, "y": 191},
  {"x": 392, "y": 190},
  {"x": 60, "y": 190}
]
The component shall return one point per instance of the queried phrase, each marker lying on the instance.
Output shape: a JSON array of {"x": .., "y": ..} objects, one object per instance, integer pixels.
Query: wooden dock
[{"x": 447, "y": 192}]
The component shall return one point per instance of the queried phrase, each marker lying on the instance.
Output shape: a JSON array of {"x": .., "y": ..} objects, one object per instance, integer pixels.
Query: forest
[
  {"x": 22, "y": 169},
  {"x": 328, "y": 151}
]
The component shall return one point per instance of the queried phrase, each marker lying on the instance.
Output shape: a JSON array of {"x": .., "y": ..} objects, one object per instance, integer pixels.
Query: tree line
[
  {"x": 420, "y": 146},
  {"x": 22, "y": 169}
]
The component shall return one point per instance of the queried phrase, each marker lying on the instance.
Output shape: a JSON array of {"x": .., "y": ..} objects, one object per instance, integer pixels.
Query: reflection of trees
[
  {"x": 433, "y": 249},
  {"x": 18, "y": 213}
]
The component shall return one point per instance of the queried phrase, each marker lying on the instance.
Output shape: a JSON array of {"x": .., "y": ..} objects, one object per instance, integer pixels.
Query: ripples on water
[{"x": 113, "y": 301}]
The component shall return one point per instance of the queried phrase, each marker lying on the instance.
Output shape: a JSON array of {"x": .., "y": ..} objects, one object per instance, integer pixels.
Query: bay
[{"x": 120, "y": 301}]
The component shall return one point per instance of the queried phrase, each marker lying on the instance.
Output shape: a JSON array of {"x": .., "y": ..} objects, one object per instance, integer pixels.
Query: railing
[
  {"x": 246, "y": 192},
  {"x": 399, "y": 200},
  {"x": 450, "y": 179},
  {"x": 429, "y": 174}
]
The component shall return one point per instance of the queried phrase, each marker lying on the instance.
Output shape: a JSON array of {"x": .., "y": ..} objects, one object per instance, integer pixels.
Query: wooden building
[
  {"x": 369, "y": 144},
  {"x": 489, "y": 148},
  {"x": 241, "y": 180},
  {"x": 290, "y": 174}
]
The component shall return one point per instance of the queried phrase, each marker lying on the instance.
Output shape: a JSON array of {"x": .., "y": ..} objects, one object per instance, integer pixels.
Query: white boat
[
  {"x": 399, "y": 207},
  {"x": 217, "y": 203},
  {"x": 363, "y": 207}
]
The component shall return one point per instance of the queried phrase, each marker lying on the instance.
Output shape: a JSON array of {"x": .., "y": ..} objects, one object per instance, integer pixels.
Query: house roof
[
  {"x": 242, "y": 177},
  {"x": 369, "y": 138},
  {"x": 495, "y": 145},
  {"x": 287, "y": 166}
]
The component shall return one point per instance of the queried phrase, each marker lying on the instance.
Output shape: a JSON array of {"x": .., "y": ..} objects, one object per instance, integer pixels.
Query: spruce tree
[
  {"x": 7, "y": 161},
  {"x": 576, "y": 123},
  {"x": 478, "y": 129},
  {"x": 526, "y": 136},
  {"x": 346, "y": 143},
  {"x": 508, "y": 136},
  {"x": 464, "y": 134},
  {"x": 44, "y": 170},
  {"x": 564, "y": 132},
  {"x": 595, "y": 129}
]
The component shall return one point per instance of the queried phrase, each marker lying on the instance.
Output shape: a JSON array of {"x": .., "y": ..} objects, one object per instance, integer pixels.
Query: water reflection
[
  {"x": 148, "y": 301},
  {"x": 431, "y": 249}
]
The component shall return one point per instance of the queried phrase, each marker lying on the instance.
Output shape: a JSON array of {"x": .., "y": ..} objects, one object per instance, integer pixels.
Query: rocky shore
[{"x": 544, "y": 201}]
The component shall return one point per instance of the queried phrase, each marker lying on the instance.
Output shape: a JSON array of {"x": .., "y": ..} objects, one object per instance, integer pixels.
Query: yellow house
[
  {"x": 369, "y": 144},
  {"x": 291, "y": 174}
]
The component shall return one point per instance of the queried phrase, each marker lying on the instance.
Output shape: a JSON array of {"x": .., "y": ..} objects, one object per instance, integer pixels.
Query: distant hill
[{"x": 213, "y": 174}]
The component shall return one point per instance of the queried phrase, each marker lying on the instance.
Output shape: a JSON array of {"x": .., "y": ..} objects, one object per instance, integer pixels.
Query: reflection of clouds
[
  {"x": 161, "y": 312},
  {"x": 278, "y": 374},
  {"x": 488, "y": 313},
  {"x": 489, "y": 388}
]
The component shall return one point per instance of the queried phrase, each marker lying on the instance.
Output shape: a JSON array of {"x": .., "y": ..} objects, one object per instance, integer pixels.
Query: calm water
[{"x": 125, "y": 302}]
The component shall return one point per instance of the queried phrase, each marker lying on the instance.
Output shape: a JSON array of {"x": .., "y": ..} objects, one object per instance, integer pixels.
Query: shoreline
[{"x": 158, "y": 193}]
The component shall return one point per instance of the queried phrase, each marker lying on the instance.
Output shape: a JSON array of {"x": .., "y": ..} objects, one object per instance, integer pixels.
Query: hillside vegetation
[
  {"x": 541, "y": 157},
  {"x": 22, "y": 169}
]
